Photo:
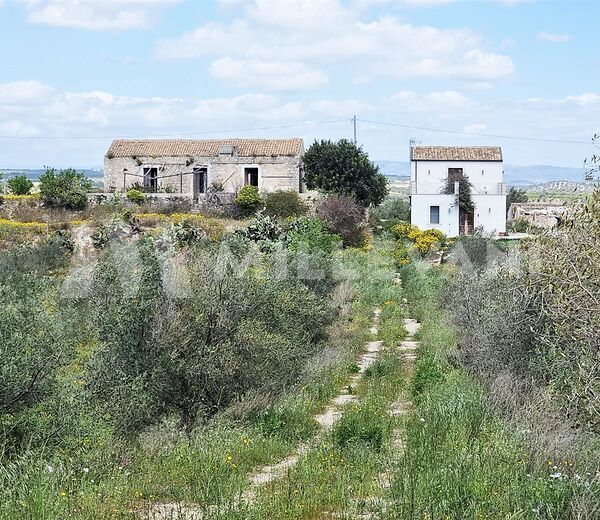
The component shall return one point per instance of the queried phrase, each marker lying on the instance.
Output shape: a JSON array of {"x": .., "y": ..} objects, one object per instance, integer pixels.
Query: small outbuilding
[{"x": 196, "y": 167}]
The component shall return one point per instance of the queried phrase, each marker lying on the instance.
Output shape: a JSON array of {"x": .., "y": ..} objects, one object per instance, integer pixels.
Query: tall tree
[
  {"x": 515, "y": 195},
  {"x": 344, "y": 169}
]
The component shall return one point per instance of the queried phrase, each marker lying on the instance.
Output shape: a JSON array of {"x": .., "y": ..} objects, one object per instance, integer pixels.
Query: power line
[
  {"x": 495, "y": 136},
  {"x": 176, "y": 134}
]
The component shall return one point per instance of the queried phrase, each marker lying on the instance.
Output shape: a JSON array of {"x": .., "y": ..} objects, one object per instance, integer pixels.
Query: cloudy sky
[{"x": 75, "y": 73}]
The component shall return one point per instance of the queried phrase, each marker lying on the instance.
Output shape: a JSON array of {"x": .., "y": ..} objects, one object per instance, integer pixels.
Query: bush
[
  {"x": 519, "y": 225},
  {"x": 346, "y": 218},
  {"x": 135, "y": 196},
  {"x": 264, "y": 230},
  {"x": 159, "y": 355},
  {"x": 390, "y": 213},
  {"x": 310, "y": 235},
  {"x": 34, "y": 342},
  {"x": 284, "y": 204},
  {"x": 187, "y": 233},
  {"x": 248, "y": 200},
  {"x": 402, "y": 230},
  {"x": 20, "y": 185},
  {"x": 66, "y": 189}
]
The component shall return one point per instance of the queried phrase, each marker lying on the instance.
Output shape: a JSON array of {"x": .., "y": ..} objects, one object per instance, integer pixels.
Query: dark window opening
[
  {"x": 200, "y": 181},
  {"x": 151, "y": 179},
  {"x": 251, "y": 176},
  {"x": 434, "y": 214},
  {"x": 454, "y": 174}
]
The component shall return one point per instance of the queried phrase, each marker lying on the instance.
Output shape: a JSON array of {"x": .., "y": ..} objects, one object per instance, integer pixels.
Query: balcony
[{"x": 425, "y": 188}]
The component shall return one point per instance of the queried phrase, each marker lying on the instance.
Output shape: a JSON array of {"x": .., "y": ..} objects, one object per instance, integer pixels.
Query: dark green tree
[
  {"x": 343, "y": 168},
  {"x": 515, "y": 195}
]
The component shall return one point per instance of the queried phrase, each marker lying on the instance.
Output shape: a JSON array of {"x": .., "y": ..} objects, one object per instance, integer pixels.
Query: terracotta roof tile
[
  {"x": 456, "y": 153},
  {"x": 205, "y": 148}
]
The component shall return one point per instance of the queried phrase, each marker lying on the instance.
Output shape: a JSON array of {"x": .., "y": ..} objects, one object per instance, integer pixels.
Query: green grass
[
  {"x": 343, "y": 472},
  {"x": 461, "y": 460}
]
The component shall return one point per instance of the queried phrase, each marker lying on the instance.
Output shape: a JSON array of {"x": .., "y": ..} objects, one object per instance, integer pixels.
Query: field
[{"x": 179, "y": 365}]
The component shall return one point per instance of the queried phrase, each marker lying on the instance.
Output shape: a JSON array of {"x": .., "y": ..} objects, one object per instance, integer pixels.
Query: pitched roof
[
  {"x": 456, "y": 153},
  {"x": 205, "y": 148}
]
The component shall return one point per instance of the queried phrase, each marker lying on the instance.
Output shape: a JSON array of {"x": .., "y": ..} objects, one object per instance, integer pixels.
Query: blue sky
[{"x": 89, "y": 70}]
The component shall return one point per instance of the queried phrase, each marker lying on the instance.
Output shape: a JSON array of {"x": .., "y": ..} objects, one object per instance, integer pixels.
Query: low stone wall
[{"x": 217, "y": 200}]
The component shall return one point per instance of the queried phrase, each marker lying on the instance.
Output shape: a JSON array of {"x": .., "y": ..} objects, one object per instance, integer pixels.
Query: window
[
  {"x": 151, "y": 179},
  {"x": 251, "y": 176},
  {"x": 434, "y": 214},
  {"x": 454, "y": 174}
]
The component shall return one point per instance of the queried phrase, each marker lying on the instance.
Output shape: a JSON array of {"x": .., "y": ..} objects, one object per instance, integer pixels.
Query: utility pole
[{"x": 354, "y": 123}]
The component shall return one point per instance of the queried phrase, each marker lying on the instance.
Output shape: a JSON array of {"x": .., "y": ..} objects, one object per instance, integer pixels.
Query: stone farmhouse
[
  {"x": 196, "y": 167},
  {"x": 433, "y": 166}
]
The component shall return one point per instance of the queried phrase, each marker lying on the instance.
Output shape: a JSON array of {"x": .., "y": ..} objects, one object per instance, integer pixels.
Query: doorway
[
  {"x": 251, "y": 177},
  {"x": 151, "y": 179},
  {"x": 466, "y": 222},
  {"x": 200, "y": 182}
]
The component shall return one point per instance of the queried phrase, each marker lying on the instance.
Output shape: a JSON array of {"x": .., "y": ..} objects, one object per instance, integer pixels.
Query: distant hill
[
  {"x": 514, "y": 175},
  {"x": 398, "y": 170},
  {"x": 95, "y": 174}
]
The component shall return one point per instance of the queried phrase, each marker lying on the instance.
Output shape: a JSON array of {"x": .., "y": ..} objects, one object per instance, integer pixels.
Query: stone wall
[{"x": 176, "y": 173}]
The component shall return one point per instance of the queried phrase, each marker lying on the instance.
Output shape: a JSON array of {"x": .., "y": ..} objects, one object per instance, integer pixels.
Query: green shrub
[
  {"x": 186, "y": 233},
  {"x": 107, "y": 232},
  {"x": 159, "y": 355},
  {"x": 66, "y": 189},
  {"x": 248, "y": 200},
  {"x": 309, "y": 234},
  {"x": 135, "y": 196},
  {"x": 519, "y": 225},
  {"x": 264, "y": 230},
  {"x": 366, "y": 424},
  {"x": 284, "y": 204},
  {"x": 20, "y": 185}
]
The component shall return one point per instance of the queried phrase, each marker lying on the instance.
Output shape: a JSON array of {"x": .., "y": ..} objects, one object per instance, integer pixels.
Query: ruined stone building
[{"x": 197, "y": 167}]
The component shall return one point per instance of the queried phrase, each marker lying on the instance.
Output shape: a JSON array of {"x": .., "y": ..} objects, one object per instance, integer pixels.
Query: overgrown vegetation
[
  {"x": 284, "y": 204},
  {"x": 19, "y": 185},
  {"x": 248, "y": 200},
  {"x": 468, "y": 453},
  {"x": 65, "y": 188}
]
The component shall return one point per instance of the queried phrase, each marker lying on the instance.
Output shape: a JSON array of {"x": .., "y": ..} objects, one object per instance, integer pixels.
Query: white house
[
  {"x": 196, "y": 167},
  {"x": 432, "y": 166}
]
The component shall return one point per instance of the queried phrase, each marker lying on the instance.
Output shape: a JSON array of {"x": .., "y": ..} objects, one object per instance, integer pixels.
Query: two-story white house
[{"x": 432, "y": 166}]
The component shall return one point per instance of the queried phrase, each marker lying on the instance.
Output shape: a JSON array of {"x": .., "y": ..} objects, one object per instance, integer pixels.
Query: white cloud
[
  {"x": 553, "y": 37},
  {"x": 271, "y": 75},
  {"x": 23, "y": 92},
  {"x": 585, "y": 99},
  {"x": 441, "y": 102},
  {"x": 96, "y": 14},
  {"x": 34, "y": 109},
  {"x": 330, "y": 32}
]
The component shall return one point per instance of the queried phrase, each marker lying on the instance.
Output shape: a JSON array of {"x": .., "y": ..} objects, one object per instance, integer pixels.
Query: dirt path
[
  {"x": 267, "y": 474},
  {"x": 372, "y": 507}
]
